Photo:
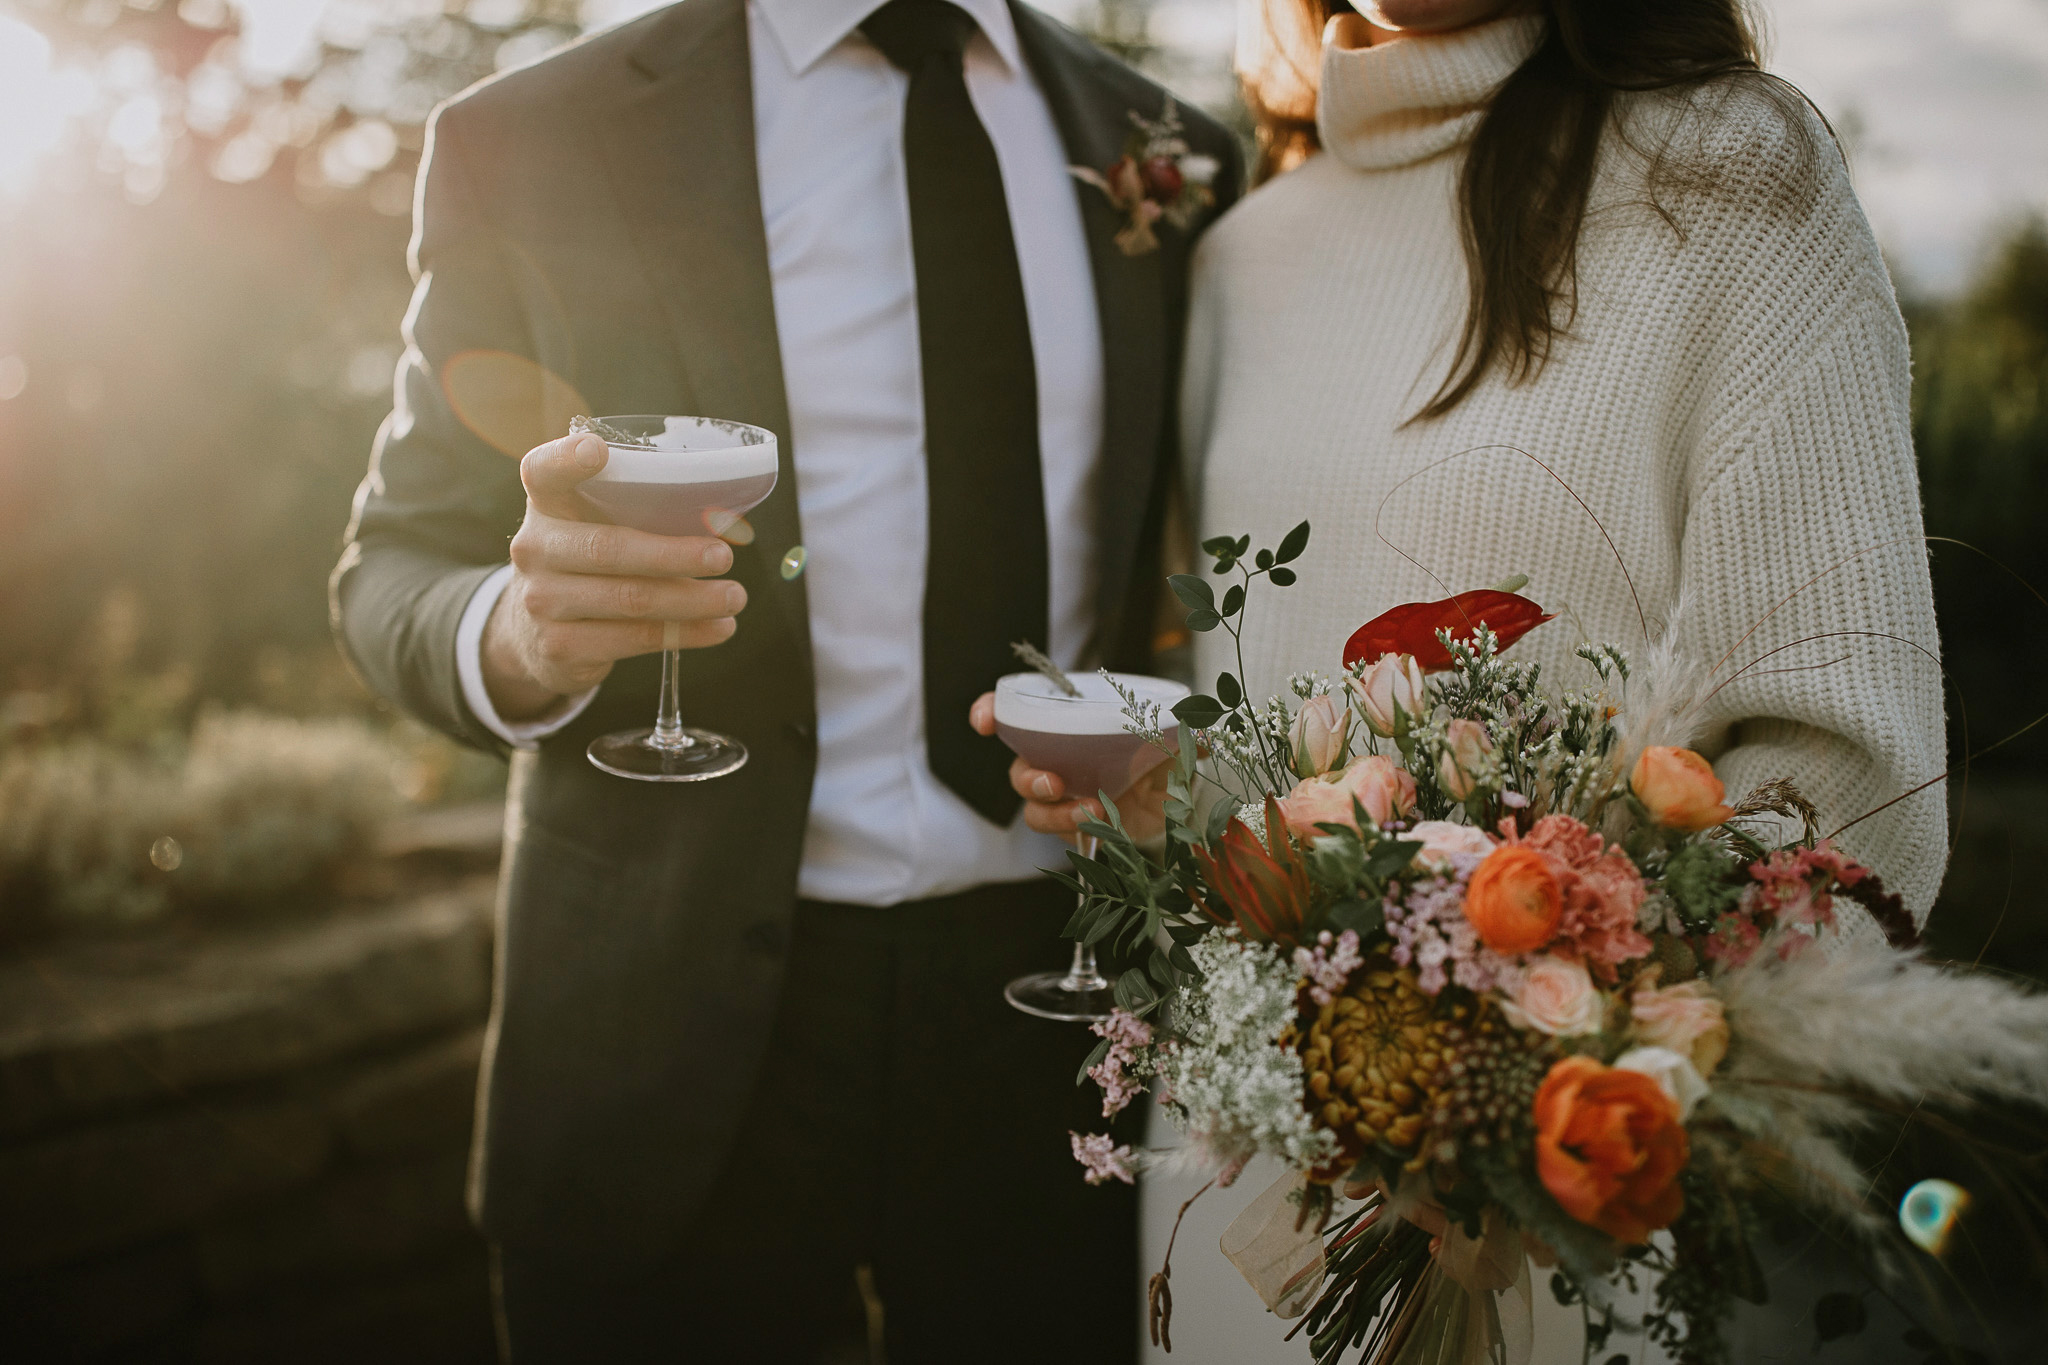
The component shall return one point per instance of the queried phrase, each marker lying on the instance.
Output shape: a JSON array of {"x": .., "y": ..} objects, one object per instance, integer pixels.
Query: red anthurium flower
[
  {"x": 1262, "y": 890},
  {"x": 1412, "y": 627}
]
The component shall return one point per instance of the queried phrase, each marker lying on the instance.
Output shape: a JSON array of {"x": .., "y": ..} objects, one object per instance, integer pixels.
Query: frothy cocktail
[
  {"x": 695, "y": 477},
  {"x": 1083, "y": 738},
  {"x": 676, "y": 476}
]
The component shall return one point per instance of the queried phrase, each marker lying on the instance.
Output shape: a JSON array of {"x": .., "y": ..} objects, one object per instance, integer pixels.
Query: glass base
[
  {"x": 630, "y": 753},
  {"x": 1061, "y": 995}
]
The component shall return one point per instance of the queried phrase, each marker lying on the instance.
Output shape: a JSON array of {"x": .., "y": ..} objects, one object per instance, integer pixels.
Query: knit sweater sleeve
[{"x": 1804, "y": 569}]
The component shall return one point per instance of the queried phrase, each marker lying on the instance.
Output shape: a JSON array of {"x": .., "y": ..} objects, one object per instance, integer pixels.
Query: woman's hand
[{"x": 1049, "y": 810}]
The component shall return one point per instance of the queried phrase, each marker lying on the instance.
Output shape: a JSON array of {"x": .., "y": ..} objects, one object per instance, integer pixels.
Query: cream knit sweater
[{"x": 1731, "y": 402}]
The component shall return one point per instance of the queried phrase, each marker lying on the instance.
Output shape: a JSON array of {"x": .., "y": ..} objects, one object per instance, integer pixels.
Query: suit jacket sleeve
[{"x": 434, "y": 515}]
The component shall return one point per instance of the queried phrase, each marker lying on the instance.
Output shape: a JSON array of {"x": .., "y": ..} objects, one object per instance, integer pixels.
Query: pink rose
[
  {"x": 1390, "y": 693},
  {"x": 1376, "y": 782},
  {"x": 1466, "y": 758},
  {"x": 1442, "y": 838},
  {"x": 1319, "y": 737},
  {"x": 1557, "y": 997},
  {"x": 1686, "y": 1018}
]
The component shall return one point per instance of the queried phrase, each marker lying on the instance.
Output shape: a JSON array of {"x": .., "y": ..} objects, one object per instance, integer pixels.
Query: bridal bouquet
[{"x": 1504, "y": 976}]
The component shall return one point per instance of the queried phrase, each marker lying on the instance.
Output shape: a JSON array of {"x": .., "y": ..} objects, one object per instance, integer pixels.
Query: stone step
[{"x": 94, "y": 1028}]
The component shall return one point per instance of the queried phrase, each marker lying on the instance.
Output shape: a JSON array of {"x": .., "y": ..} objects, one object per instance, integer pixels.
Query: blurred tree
[
  {"x": 1980, "y": 423},
  {"x": 199, "y": 306}
]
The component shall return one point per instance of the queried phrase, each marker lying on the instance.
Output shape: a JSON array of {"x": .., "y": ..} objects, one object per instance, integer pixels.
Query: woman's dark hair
[{"x": 1530, "y": 167}]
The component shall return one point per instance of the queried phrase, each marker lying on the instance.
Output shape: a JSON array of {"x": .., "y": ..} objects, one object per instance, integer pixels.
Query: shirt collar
[{"x": 808, "y": 29}]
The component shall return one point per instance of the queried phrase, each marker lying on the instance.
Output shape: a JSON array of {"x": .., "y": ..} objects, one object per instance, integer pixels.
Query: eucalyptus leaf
[
  {"x": 1364, "y": 918},
  {"x": 1216, "y": 545},
  {"x": 1264, "y": 559},
  {"x": 1233, "y": 600},
  {"x": 1134, "y": 991},
  {"x": 1203, "y": 620},
  {"x": 1291, "y": 545},
  {"x": 1228, "y": 691},
  {"x": 1281, "y": 578},
  {"x": 1220, "y": 816},
  {"x": 1198, "y": 712},
  {"x": 1192, "y": 591},
  {"x": 1390, "y": 856}
]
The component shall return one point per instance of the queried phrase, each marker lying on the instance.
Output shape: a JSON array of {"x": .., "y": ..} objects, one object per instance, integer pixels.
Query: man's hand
[
  {"x": 1047, "y": 808},
  {"x": 585, "y": 593}
]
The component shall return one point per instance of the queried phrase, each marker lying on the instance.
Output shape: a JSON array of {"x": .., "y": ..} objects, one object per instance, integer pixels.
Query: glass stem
[
  {"x": 668, "y": 723},
  {"x": 1084, "y": 975}
]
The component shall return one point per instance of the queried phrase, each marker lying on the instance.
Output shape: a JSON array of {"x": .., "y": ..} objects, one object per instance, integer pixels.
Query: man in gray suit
[{"x": 749, "y": 1072}]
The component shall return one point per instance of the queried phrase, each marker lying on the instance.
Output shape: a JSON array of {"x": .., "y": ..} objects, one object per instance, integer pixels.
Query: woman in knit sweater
[
  {"x": 1559, "y": 260},
  {"x": 1709, "y": 355}
]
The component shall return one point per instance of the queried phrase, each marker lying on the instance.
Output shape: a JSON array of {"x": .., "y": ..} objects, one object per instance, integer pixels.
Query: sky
[{"x": 1943, "y": 103}]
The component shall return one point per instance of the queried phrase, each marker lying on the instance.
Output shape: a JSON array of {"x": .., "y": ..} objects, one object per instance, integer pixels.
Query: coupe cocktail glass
[
  {"x": 683, "y": 476},
  {"x": 1083, "y": 739}
]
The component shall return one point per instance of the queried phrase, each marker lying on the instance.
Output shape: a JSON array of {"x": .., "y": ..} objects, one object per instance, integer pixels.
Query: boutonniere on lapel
[{"x": 1159, "y": 178}]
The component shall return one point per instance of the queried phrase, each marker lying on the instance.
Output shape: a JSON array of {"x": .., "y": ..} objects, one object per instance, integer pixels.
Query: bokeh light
[
  {"x": 1929, "y": 1213},
  {"x": 38, "y": 101}
]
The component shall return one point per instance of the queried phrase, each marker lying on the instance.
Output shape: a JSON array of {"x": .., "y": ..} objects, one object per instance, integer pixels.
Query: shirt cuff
[{"x": 469, "y": 667}]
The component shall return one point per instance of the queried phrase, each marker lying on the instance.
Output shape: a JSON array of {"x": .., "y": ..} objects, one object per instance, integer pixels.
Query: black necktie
[{"x": 985, "y": 571}]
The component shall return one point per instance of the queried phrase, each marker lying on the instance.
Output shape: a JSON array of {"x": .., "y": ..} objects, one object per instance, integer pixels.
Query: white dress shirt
[{"x": 828, "y": 133}]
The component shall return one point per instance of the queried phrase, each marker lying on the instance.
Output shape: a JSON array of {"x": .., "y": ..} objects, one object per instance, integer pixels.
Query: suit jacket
[{"x": 589, "y": 236}]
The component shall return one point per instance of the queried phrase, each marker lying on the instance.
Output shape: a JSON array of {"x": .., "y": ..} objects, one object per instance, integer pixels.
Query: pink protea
[
  {"x": 1603, "y": 893},
  {"x": 1103, "y": 1159}
]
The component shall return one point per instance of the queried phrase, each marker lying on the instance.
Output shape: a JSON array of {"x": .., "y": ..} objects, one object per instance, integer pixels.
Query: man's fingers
[
  {"x": 1060, "y": 817},
  {"x": 552, "y": 472},
  {"x": 591, "y": 597},
  {"x": 982, "y": 715},
  {"x": 549, "y": 544},
  {"x": 1035, "y": 784},
  {"x": 568, "y": 649}
]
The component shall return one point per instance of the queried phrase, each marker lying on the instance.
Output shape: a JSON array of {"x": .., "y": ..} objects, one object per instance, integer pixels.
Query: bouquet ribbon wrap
[
  {"x": 1476, "y": 1305},
  {"x": 1283, "y": 1262}
]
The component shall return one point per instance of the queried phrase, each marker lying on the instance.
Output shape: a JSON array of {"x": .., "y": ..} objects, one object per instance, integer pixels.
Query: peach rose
[
  {"x": 1466, "y": 751},
  {"x": 1442, "y": 838},
  {"x": 1687, "y": 1018},
  {"x": 1390, "y": 692},
  {"x": 1513, "y": 900},
  {"x": 1609, "y": 1148},
  {"x": 1317, "y": 739},
  {"x": 1679, "y": 789},
  {"x": 1375, "y": 781},
  {"x": 1556, "y": 997}
]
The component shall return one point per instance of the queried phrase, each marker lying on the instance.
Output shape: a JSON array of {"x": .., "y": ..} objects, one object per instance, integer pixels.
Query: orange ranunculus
[
  {"x": 1513, "y": 900},
  {"x": 1679, "y": 789},
  {"x": 1609, "y": 1147}
]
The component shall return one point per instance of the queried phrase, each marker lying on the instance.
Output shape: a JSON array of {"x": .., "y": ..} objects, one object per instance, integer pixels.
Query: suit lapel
[
  {"x": 678, "y": 140},
  {"x": 1093, "y": 119}
]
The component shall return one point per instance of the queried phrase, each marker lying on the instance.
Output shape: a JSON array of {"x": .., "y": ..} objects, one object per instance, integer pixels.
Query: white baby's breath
[{"x": 1233, "y": 1089}]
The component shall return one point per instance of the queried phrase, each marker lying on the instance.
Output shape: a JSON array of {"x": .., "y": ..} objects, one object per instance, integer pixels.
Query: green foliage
[
  {"x": 1701, "y": 881},
  {"x": 249, "y": 809}
]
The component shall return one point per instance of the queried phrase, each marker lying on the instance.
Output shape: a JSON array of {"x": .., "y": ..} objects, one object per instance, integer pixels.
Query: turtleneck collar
[{"x": 1411, "y": 98}]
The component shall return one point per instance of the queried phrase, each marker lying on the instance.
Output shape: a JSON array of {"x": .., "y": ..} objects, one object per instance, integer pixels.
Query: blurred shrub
[
  {"x": 1980, "y": 424},
  {"x": 249, "y": 808}
]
